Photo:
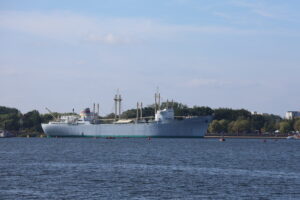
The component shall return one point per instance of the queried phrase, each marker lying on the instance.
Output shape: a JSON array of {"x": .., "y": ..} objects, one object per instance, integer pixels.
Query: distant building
[
  {"x": 255, "y": 113},
  {"x": 258, "y": 113},
  {"x": 292, "y": 114}
]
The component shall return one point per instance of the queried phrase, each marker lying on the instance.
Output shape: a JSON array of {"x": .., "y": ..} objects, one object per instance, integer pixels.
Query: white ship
[{"x": 164, "y": 124}]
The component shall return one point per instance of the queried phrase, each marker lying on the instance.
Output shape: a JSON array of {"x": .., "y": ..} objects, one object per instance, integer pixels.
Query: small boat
[
  {"x": 4, "y": 134},
  {"x": 222, "y": 139},
  {"x": 294, "y": 137}
]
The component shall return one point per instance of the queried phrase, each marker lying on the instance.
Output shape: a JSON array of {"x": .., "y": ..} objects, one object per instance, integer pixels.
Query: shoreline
[{"x": 246, "y": 137}]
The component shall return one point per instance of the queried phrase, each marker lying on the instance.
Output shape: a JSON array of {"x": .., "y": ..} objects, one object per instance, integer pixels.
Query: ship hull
[{"x": 186, "y": 128}]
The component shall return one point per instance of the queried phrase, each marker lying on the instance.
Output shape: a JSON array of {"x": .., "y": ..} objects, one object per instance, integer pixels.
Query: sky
[{"x": 69, "y": 54}]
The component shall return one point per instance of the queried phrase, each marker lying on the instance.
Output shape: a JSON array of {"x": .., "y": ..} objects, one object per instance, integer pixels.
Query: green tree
[
  {"x": 32, "y": 121},
  {"x": 10, "y": 121},
  {"x": 257, "y": 122},
  {"x": 201, "y": 111},
  {"x": 285, "y": 127},
  {"x": 110, "y": 116},
  {"x": 9, "y": 118},
  {"x": 240, "y": 126},
  {"x": 230, "y": 114},
  {"x": 270, "y": 126},
  {"x": 297, "y": 125},
  {"x": 6, "y": 110},
  {"x": 129, "y": 114},
  {"x": 230, "y": 127},
  {"x": 215, "y": 127},
  {"x": 218, "y": 126},
  {"x": 147, "y": 112},
  {"x": 45, "y": 118},
  {"x": 224, "y": 125}
]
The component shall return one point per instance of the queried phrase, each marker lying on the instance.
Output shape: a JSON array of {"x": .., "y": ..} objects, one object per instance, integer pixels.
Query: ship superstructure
[{"x": 163, "y": 124}]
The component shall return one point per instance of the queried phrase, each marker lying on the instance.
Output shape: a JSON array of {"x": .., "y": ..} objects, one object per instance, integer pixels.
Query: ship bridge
[{"x": 164, "y": 115}]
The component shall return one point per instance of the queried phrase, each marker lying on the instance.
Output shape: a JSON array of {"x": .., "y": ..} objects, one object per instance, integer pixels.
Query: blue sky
[{"x": 230, "y": 53}]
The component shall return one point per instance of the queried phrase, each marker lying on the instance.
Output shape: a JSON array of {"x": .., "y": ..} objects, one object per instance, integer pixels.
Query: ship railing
[
  {"x": 185, "y": 117},
  {"x": 149, "y": 117}
]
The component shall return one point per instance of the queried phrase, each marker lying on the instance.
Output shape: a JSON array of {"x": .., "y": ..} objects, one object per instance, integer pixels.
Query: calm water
[{"x": 83, "y": 168}]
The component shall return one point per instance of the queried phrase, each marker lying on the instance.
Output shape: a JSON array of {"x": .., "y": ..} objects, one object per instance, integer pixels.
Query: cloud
[
  {"x": 70, "y": 27},
  {"x": 205, "y": 83},
  {"x": 181, "y": 2},
  {"x": 57, "y": 25},
  {"x": 260, "y": 8},
  {"x": 8, "y": 71},
  {"x": 217, "y": 83},
  {"x": 80, "y": 62},
  {"x": 222, "y": 14},
  {"x": 263, "y": 13},
  {"x": 106, "y": 39},
  {"x": 67, "y": 26}
]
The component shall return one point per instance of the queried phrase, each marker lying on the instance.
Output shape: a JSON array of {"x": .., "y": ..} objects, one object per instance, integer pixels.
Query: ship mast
[
  {"x": 120, "y": 99},
  {"x": 157, "y": 101},
  {"x": 141, "y": 110},
  {"x": 116, "y": 106},
  {"x": 137, "y": 111},
  {"x": 117, "y": 100},
  {"x": 155, "y": 104},
  {"x": 94, "y": 112}
]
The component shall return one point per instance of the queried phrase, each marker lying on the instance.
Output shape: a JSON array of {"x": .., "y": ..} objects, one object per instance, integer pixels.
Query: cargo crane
[{"x": 51, "y": 113}]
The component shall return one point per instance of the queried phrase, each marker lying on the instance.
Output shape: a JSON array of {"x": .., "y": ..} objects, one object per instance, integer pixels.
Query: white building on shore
[{"x": 292, "y": 114}]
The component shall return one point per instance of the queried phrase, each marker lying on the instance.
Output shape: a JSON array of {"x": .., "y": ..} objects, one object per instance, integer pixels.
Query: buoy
[
  {"x": 264, "y": 140},
  {"x": 222, "y": 139}
]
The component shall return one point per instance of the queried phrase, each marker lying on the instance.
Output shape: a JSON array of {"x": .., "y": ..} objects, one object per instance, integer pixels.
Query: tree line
[
  {"x": 229, "y": 121},
  {"x": 225, "y": 120}
]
